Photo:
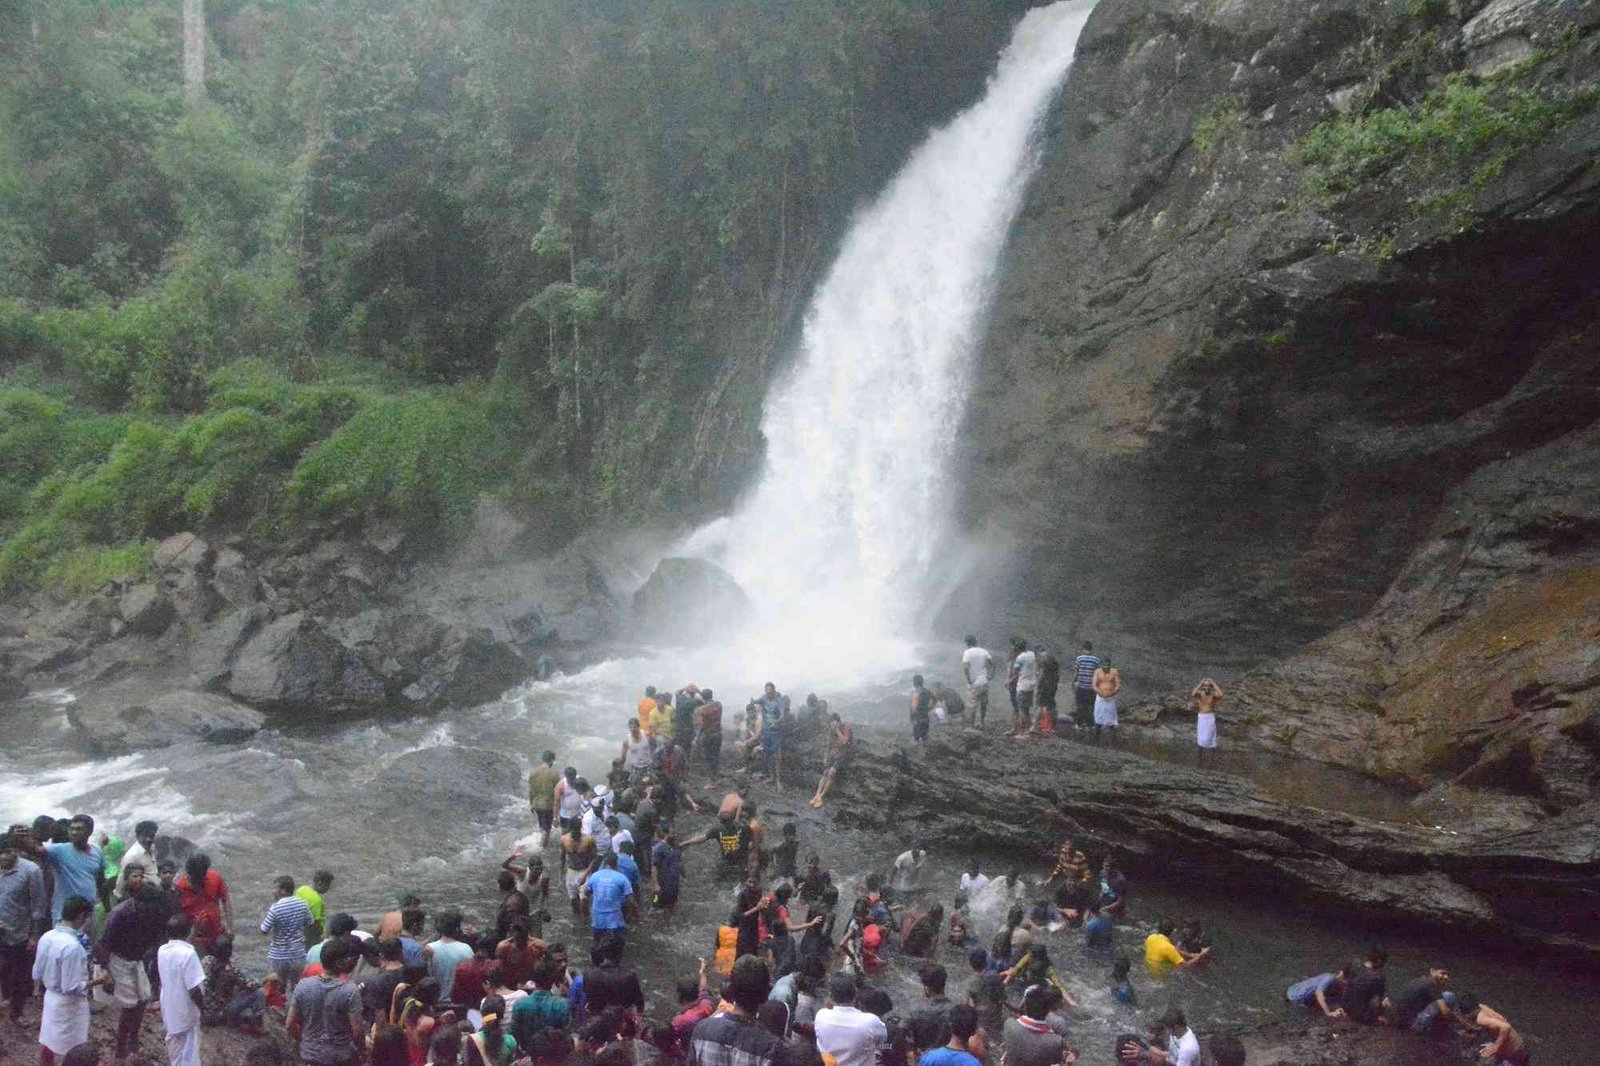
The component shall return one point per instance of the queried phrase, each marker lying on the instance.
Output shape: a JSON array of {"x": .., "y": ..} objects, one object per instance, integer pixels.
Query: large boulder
[
  {"x": 454, "y": 782},
  {"x": 181, "y": 551},
  {"x": 688, "y": 602},
  {"x": 147, "y": 610},
  {"x": 433, "y": 663},
  {"x": 294, "y": 664},
  {"x": 117, "y": 722}
]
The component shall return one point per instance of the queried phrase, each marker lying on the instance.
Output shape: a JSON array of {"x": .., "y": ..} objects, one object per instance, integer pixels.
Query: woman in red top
[{"x": 203, "y": 895}]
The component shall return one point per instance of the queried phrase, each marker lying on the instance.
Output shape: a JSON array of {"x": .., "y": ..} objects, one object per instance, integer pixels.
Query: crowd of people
[
  {"x": 792, "y": 977},
  {"x": 1033, "y": 679}
]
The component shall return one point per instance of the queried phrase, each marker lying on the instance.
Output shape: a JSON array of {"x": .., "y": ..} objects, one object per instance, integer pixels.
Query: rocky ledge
[{"x": 1534, "y": 887}]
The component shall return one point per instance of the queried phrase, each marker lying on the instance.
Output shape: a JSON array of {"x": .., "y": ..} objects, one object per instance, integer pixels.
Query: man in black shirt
[
  {"x": 607, "y": 984},
  {"x": 1365, "y": 996},
  {"x": 1426, "y": 991}
]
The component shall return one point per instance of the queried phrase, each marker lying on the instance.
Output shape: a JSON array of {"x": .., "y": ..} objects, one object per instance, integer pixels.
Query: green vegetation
[
  {"x": 407, "y": 253},
  {"x": 1222, "y": 119},
  {"x": 1457, "y": 138}
]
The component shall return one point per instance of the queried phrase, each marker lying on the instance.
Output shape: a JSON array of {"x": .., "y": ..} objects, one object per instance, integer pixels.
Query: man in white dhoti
[
  {"x": 1207, "y": 694},
  {"x": 61, "y": 965},
  {"x": 178, "y": 965}
]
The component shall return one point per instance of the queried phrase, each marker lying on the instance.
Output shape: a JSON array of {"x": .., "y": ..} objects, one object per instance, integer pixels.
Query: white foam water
[{"x": 837, "y": 542}]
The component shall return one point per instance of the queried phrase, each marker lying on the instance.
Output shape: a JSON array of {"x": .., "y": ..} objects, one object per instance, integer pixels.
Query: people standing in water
[
  {"x": 1083, "y": 668},
  {"x": 1107, "y": 683},
  {"x": 1049, "y": 682},
  {"x": 921, "y": 709},
  {"x": 542, "y": 783},
  {"x": 1025, "y": 667},
  {"x": 1206, "y": 695},
  {"x": 977, "y": 666}
]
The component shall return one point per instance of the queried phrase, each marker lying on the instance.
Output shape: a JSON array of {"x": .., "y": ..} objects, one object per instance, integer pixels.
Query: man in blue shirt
[
  {"x": 963, "y": 1026},
  {"x": 77, "y": 865},
  {"x": 666, "y": 870},
  {"x": 771, "y": 722},
  {"x": 627, "y": 865},
  {"x": 1083, "y": 668},
  {"x": 611, "y": 903}
]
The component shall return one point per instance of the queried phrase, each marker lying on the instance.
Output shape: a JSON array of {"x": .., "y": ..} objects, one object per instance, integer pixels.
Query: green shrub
[
  {"x": 81, "y": 571},
  {"x": 422, "y": 459},
  {"x": 1462, "y": 134}
]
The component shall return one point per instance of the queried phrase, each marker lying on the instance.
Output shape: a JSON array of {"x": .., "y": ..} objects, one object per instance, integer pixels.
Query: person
[
  {"x": 1029, "y": 1039},
  {"x": 203, "y": 895},
  {"x": 542, "y": 1009},
  {"x": 1366, "y": 991},
  {"x": 851, "y": 1036},
  {"x": 285, "y": 923},
  {"x": 947, "y": 702},
  {"x": 908, "y": 869},
  {"x": 1049, "y": 682},
  {"x": 321, "y": 882},
  {"x": 76, "y": 867},
  {"x": 686, "y": 700},
  {"x": 957, "y": 1050},
  {"x": 1083, "y": 668},
  {"x": 666, "y": 871},
  {"x": 1320, "y": 989},
  {"x": 577, "y": 854},
  {"x": 447, "y": 953},
  {"x": 182, "y": 992},
  {"x": 611, "y": 902},
  {"x": 519, "y": 953},
  {"x": 732, "y": 1036},
  {"x": 977, "y": 666},
  {"x": 325, "y": 1016},
  {"x": 1097, "y": 926},
  {"x": 1508, "y": 1046},
  {"x": 1107, "y": 683},
  {"x": 708, "y": 730},
  {"x": 638, "y": 753},
  {"x": 1122, "y": 982},
  {"x": 1424, "y": 996},
  {"x": 627, "y": 865},
  {"x": 493, "y": 1044},
  {"x": 973, "y": 881},
  {"x": 840, "y": 747},
  {"x": 24, "y": 918},
  {"x": 694, "y": 1006},
  {"x": 1206, "y": 695},
  {"x": 142, "y": 854},
  {"x": 986, "y": 991},
  {"x": 1183, "y": 1047},
  {"x": 931, "y": 1020},
  {"x": 230, "y": 996},
  {"x": 542, "y": 782},
  {"x": 1025, "y": 664},
  {"x": 786, "y": 856},
  {"x": 770, "y": 706},
  {"x": 1161, "y": 955},
  {"x": 921, "y": 709},
  {"x": 661, "y": 722},
  {"x": 61, "y": 968},
  {"x": 134, "y": 930},
  {"x": 567, "y": 801}
]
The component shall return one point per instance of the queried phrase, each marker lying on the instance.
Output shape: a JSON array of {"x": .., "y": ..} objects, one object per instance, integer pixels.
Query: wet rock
[
  {"x": 473, "y": 669},
  {"x": 457, "y": 782},
  {"x": 181, "y": 551},
  {"x": 294, "y": 665},
  {"x": 215, "y": 646},
  {"x": 11, "y": 688},
  {"x": 119, "y": 721},
  {"x": 147, "y": 610},
  {"x": 1216, "y": 829},
  {"x": 688, "y": 602},
  {"x": 21, "y": 656}
]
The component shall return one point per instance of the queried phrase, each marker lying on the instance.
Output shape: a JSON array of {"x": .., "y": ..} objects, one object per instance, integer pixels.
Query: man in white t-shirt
[
  {"x": 977, "y": 666},
  {"x": 853, "y": 1037},
  {"x": 1183, "y": 1047},
  {"x": 143, "y": 853},
  {"x": 973, "y": 882},
  {"x": 1026, "y": 666},
  {"x": 908, "y": 866},
  {"x": 178, "y": 965}
]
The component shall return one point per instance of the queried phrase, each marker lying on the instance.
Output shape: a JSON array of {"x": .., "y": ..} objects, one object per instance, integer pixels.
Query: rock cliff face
[{"x": 1295, "y": 370}]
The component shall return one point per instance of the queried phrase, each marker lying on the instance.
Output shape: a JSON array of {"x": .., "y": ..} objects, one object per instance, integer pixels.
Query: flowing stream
[{"x": 837, "y": 545}]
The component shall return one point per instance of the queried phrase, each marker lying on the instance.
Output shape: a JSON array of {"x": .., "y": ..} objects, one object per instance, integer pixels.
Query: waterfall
[{"x": 838, "y": 539}]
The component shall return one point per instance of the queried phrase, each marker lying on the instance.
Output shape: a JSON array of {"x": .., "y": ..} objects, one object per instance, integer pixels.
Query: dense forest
[{"x": 291, "y": 263}]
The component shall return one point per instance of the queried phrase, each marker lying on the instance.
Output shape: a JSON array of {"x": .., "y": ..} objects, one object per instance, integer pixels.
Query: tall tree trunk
[{"x": 194, "y": 52}]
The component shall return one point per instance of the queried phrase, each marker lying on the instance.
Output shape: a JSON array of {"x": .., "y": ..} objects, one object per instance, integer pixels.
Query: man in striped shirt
[
  {"x": 1083, "y": 668},
  {"x": 286, "y": 923}
]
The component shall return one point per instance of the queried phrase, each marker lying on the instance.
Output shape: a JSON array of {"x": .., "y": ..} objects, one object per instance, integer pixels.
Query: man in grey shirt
[
  {"x": 24, "y": 914},
  {"x": 325, "y": 1011},
  {"x": 1029, "y": 1039}
]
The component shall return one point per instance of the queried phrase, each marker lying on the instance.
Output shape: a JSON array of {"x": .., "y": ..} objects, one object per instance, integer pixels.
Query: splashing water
[{"x": 838, "y": 540}]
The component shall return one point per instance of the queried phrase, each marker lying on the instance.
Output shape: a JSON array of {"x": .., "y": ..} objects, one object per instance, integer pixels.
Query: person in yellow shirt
[
  {"x": 661, "y": 721},
  {"x": 1161, "y": 955},
  {"x": 321, "y": 881}
]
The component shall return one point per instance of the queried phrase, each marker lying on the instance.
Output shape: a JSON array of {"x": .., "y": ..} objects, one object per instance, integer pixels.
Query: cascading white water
[{"x": 838, "y": 539}]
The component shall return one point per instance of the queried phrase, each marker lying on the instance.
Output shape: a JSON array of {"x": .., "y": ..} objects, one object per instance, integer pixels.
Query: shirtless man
[
  {"x": 1107, "y": 683},
  {"x": 1508, "y": 1047},
  {"x": 1206, "y": 695},
  {"x": 577, "y": 855},
  {"x": 840, "y": 737}
]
